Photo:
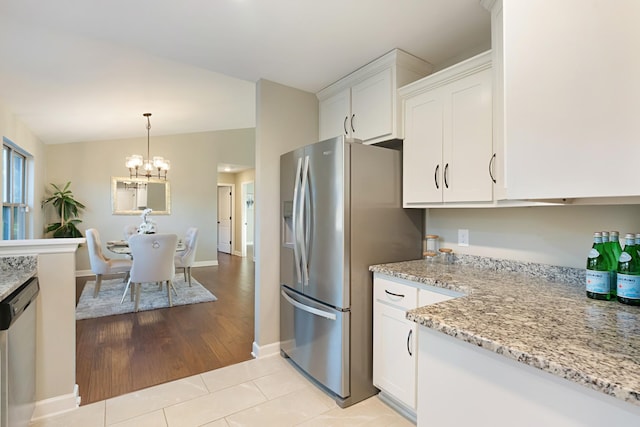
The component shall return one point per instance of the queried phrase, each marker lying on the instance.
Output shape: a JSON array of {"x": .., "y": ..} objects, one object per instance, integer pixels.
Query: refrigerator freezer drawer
[{"x": 316, "y": 338}]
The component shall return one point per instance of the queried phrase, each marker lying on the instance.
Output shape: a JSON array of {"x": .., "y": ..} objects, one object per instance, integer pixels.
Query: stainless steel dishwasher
[{"x": 18, "y": 355}]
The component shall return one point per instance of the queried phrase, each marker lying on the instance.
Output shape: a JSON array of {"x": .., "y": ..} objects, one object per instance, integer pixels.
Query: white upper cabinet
[
  {"x": 364, "y": 105},
  {"x": 447, "y": 151},
  {"x": 567, "y": 84},
  {"x": 335, "y": 112}
]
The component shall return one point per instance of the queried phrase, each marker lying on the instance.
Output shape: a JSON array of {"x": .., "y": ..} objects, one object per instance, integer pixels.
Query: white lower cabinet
[{"x": 395, "y": 341}]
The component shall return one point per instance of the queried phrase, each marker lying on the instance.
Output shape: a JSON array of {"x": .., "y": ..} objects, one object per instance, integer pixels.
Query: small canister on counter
[
  {"x": 430, "y": 256},
  {"x": 432, "y": 243},
  {"x": 446, "y": 256}
]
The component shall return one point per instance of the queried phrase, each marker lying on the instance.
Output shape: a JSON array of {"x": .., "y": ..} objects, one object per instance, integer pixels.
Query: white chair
[
  {"x": 100, "y": 264},
  {"x": 184, "y": 259},
  {"x": 152, "y": 262},
  {"x": 130, "y": 230}
]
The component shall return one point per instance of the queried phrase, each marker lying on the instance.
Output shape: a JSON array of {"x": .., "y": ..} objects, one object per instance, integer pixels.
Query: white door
[{"x": 224, "y": 218}]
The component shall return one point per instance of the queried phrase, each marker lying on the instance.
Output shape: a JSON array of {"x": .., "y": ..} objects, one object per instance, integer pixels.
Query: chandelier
[{"x": 149, "y": 167}]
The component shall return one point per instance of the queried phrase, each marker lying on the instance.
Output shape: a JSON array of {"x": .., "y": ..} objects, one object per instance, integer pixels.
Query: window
[{"x": 14, "y": 199}]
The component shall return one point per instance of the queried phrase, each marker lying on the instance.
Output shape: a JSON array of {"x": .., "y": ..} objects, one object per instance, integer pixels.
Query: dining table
[{"x": 121, "y": 247}]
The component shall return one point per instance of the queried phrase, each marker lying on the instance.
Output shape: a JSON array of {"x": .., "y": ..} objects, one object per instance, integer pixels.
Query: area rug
[{"x": 107, "y": 303}]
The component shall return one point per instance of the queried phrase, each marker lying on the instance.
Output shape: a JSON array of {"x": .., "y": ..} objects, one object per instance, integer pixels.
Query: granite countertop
[
  {"x": 535, "y": 314},
  {"x": 14, "y": 271}
]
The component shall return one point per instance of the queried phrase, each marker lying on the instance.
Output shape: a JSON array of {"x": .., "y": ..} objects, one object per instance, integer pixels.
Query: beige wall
[
  {"x": 19, "y": 134},
  {"x": 286, "y": 119},
  {"x": 556, "y": 235},
  {"x": 193, "y": 178}
]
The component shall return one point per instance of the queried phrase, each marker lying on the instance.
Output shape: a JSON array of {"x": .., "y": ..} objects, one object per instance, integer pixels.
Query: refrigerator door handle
[
  {"x": 301, "y": 222},
  {"x": 296, "y": 230},
  {"x": 308, "y": 309}
]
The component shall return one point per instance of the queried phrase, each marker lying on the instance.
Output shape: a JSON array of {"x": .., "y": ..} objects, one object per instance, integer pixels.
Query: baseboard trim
[
  {"x": 210, "y": 263},
  {"x": 237, "y": 253},
  {"x": 398, "y": 407},
  {"x": 265, "y": 350},
  {"x": 56, "y": 405}
]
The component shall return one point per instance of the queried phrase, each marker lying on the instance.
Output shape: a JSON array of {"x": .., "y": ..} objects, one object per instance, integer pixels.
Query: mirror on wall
[{"x": 130, "y": 196}]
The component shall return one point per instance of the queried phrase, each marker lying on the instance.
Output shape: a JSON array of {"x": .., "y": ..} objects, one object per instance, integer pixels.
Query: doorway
[
  {"x": 225, "y": 218},
  {"x": 248, "y": 218}
]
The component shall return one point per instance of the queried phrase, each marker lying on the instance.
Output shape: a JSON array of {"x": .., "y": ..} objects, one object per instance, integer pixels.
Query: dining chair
[
  {"x": 100, "y": 264},
  {"x": 153, "y": 262},
  {"x": 130, "y": 230},
  {"x": 184, "y": 259}
]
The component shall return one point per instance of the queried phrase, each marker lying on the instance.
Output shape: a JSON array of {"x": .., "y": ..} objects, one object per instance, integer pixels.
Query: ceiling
[{"x": 86, "y": 70}]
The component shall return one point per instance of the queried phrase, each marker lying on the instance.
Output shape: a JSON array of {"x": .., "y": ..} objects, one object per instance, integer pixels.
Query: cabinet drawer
[{"x": 397, "y": 294}]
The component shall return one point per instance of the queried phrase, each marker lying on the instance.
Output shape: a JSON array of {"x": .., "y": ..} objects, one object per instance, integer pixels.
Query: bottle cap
[
  {"x": 597, "y": 234},
  {"x": 605, "y": 233},
  {"x": 629, "y": 236},
  {"x": 446, "y": 250},
  {"x": 614, "y": 233}
]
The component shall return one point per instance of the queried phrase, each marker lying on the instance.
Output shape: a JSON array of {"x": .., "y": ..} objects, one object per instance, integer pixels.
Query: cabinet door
[
  {"x": 569, "y": 126},
  {"x": 422, "y": 149},
  {"x": 372, "y": 104},
  {"x": 468, "y": 139},
  {"x": 394, "y": 353},
  {"x": 334, "y": 115}
]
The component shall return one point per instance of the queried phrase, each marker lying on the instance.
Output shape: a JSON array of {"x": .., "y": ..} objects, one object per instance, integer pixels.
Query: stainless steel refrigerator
[{"x": 340, "y": 212}]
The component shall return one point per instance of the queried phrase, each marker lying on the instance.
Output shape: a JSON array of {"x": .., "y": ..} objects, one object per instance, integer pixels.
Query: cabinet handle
[
  {"x": 491, "y": 167},
  {"x": 392, "y": 294},
  {"x": 352, "y": 129},
  {"x": 435, "y": 176},
  {"x": 344, "y": 125},
  {"x": 446, "y": 173},
  {"x": 409, "y": 342}
]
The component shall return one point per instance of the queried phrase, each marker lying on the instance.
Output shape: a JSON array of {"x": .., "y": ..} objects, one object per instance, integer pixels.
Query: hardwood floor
[{"x": 128, "y": 352}]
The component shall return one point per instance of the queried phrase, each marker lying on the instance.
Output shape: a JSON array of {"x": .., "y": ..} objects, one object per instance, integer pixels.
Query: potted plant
[{"x": 67, "y": 209}]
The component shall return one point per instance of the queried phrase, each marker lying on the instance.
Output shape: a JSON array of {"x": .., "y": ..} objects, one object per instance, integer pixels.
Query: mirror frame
[{"x": 114, "y": 187}]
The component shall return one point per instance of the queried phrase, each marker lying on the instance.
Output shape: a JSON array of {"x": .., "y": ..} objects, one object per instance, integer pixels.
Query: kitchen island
[{"x": 539, "y": 347}]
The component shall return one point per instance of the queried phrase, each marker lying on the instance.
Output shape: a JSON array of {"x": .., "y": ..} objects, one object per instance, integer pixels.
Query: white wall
[
  {"x": 18, "y": 133},
  {"x": 557, "y": 235},
  {"x": 286, "y": 119},
  {"x": 193, "y": 179}
]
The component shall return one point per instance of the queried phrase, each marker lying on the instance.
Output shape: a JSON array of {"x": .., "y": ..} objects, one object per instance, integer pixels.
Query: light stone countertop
[
  {"x": 535, "y": 314},
  {"x": 14, "y": 271}
]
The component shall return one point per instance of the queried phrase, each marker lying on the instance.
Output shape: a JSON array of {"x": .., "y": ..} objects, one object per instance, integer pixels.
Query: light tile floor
[{"x": 261, "y": 392}]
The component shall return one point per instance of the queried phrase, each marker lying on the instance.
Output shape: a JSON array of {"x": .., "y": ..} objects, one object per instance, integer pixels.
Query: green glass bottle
[
  {"x": 598, "y": 276},
  {"x": 616, "y": 250},
  {"x": 613, "y": 263},
  {"x": 629, "y": 273},
  {"x": 614, "y": 241}
]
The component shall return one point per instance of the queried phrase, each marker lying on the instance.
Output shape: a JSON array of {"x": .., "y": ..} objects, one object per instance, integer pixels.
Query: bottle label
[
  {"x": 593, "y": 253},
  {"x": 599, "y": 281},
  {"x": 628, "y": 286},
  {"x": 624, "y": 257}
]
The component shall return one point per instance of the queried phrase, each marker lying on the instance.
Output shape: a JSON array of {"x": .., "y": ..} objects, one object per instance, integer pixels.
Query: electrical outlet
[{"x": 463, "y": 237}]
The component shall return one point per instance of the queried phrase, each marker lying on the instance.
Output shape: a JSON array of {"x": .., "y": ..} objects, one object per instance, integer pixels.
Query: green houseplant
[{"x": 67, "y": 209}]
